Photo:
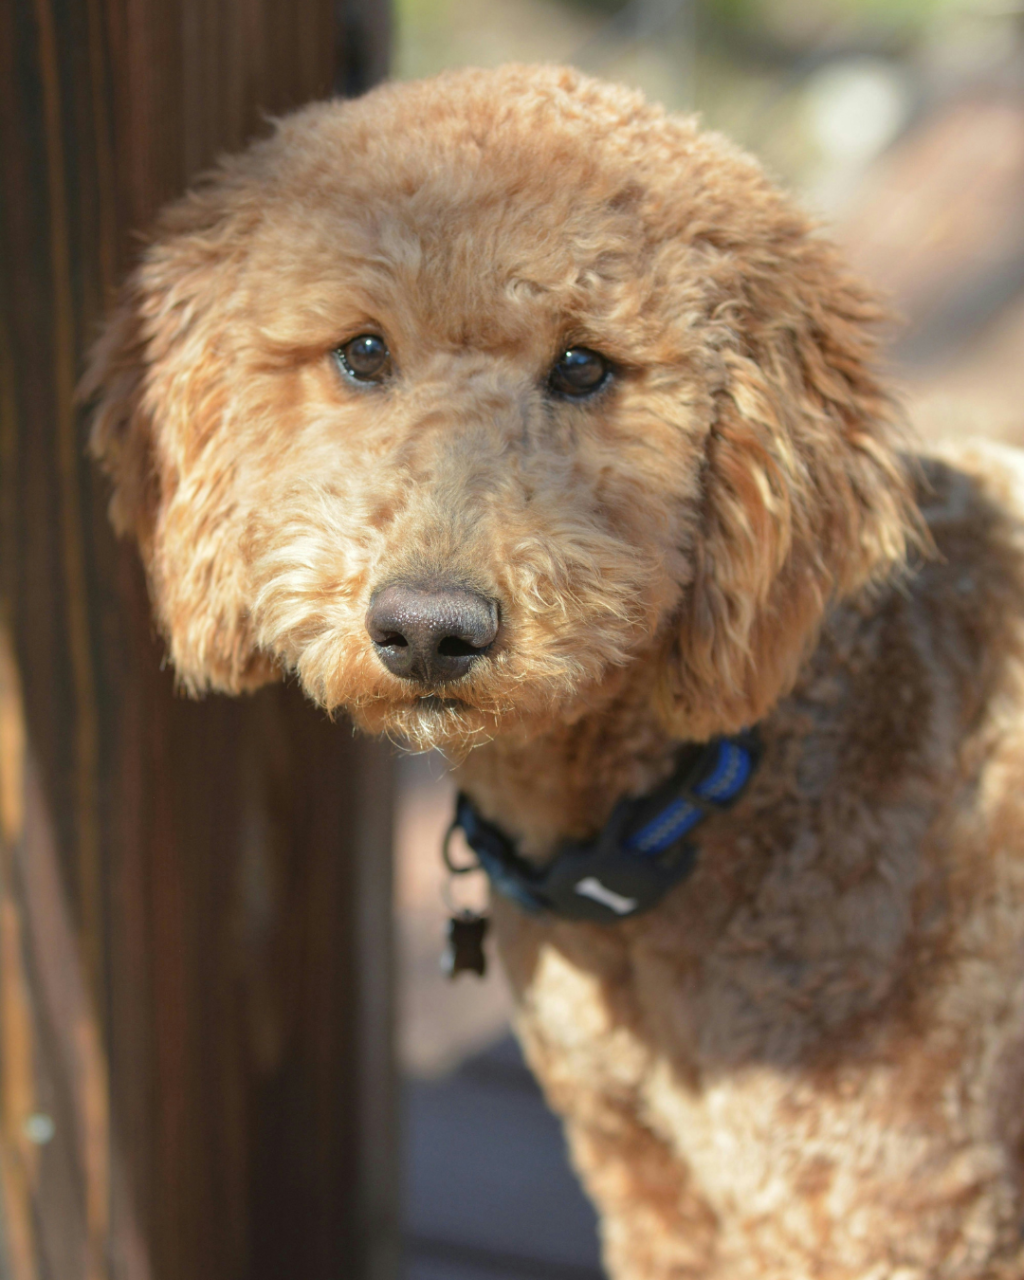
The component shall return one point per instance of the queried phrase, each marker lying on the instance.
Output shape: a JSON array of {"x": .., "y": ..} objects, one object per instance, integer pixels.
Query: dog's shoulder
[
  {"x": 971, "y": 495},
  {"x": 968, "y": 595},
  {"x": 927, "y": 653}
]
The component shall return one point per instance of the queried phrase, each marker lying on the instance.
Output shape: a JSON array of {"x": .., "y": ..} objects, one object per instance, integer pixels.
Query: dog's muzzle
[{"x": 431, "y": 634}]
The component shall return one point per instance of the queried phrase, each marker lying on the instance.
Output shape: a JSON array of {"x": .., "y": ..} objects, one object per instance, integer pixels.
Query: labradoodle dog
[{"x": 523, "y": 420}]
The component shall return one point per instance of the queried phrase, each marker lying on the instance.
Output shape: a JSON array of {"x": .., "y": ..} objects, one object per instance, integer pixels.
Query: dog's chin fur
[
  {"x": 455, "y": 719},
  {"x": 434, "y": 723}
]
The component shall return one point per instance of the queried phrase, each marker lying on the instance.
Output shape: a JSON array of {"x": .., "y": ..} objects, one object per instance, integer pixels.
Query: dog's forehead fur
[{"x": 501, "y": 211}]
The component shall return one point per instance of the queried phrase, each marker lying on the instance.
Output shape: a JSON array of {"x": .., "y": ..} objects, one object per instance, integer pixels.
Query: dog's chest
[{"x": 791, "y": 926}]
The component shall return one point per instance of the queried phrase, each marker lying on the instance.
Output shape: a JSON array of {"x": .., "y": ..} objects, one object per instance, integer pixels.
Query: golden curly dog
[{"x": 523, "y": 420}]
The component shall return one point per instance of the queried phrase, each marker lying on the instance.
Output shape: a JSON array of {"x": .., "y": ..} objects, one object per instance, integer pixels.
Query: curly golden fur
[{"x": 808, "y": 1061}]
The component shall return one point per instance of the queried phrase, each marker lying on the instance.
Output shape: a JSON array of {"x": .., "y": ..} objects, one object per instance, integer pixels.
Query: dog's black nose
[{"x": 431, "y": 634}]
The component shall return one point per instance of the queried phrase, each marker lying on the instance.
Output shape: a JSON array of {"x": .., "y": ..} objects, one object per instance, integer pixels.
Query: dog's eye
[
  {"x": 578, "y": 372},
  {"x": 365, "y": 358}
]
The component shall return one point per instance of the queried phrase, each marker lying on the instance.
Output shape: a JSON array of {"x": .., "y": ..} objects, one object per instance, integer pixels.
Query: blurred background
[
  {"x": 196, "y": 1067},
  {"x": 901, "y": 125}
]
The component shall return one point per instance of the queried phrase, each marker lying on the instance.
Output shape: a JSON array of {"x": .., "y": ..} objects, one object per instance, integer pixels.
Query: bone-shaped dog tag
[{"x": 465, "y": 950}]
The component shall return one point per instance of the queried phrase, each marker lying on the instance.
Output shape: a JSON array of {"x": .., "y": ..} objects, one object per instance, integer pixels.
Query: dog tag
[{"x": 465, "y": 950}]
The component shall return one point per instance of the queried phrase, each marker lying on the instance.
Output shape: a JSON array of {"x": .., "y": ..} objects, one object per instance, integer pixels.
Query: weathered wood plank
[{"x": 194, "y": 950}]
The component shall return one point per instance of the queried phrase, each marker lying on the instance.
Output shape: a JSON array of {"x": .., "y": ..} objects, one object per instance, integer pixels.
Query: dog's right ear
[
  {"x": 121, "y": 438},
  {"x": 162, "y": 381}
]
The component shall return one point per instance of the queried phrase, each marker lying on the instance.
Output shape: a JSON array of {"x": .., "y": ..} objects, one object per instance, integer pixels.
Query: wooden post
[{"x": 195, "y": 1039}]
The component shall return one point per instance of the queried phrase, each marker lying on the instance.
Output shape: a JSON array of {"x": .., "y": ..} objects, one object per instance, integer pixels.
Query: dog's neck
[{"x": 566, "y": 781}]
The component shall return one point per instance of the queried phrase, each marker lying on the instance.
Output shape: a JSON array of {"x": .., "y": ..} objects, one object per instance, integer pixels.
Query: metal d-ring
[
  {"x": 455, "y": 870},
  {"x": 446, "y": 854}
]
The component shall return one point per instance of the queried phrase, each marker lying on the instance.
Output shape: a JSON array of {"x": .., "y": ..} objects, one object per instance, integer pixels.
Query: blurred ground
[{"x": 902, "y": 126}]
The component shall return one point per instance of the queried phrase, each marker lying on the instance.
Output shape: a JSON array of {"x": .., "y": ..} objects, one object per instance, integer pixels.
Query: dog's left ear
[{"x": 805, "y": 499}]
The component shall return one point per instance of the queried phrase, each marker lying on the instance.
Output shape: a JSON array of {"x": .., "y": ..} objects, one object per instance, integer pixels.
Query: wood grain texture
[{"x": 194, "y": 897}]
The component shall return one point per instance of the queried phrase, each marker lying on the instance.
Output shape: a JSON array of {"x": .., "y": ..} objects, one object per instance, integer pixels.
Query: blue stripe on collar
[
  {"x": 638, "y": 856},
  {"x": 732, "y": 768}
]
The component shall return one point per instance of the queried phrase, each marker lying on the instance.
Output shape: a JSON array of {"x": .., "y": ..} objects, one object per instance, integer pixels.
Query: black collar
[{"x": 644, "y": 849}]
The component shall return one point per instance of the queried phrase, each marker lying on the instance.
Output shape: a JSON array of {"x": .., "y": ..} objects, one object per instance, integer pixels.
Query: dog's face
[{"x": 473, "y": 400}]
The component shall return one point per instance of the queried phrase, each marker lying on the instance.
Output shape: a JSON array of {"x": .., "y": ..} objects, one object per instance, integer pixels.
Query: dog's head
[{"x": 468, "y": 399}]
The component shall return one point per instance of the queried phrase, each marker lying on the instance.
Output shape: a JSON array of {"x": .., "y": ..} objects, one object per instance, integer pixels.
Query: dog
[{"x": 523, "y": 420}]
